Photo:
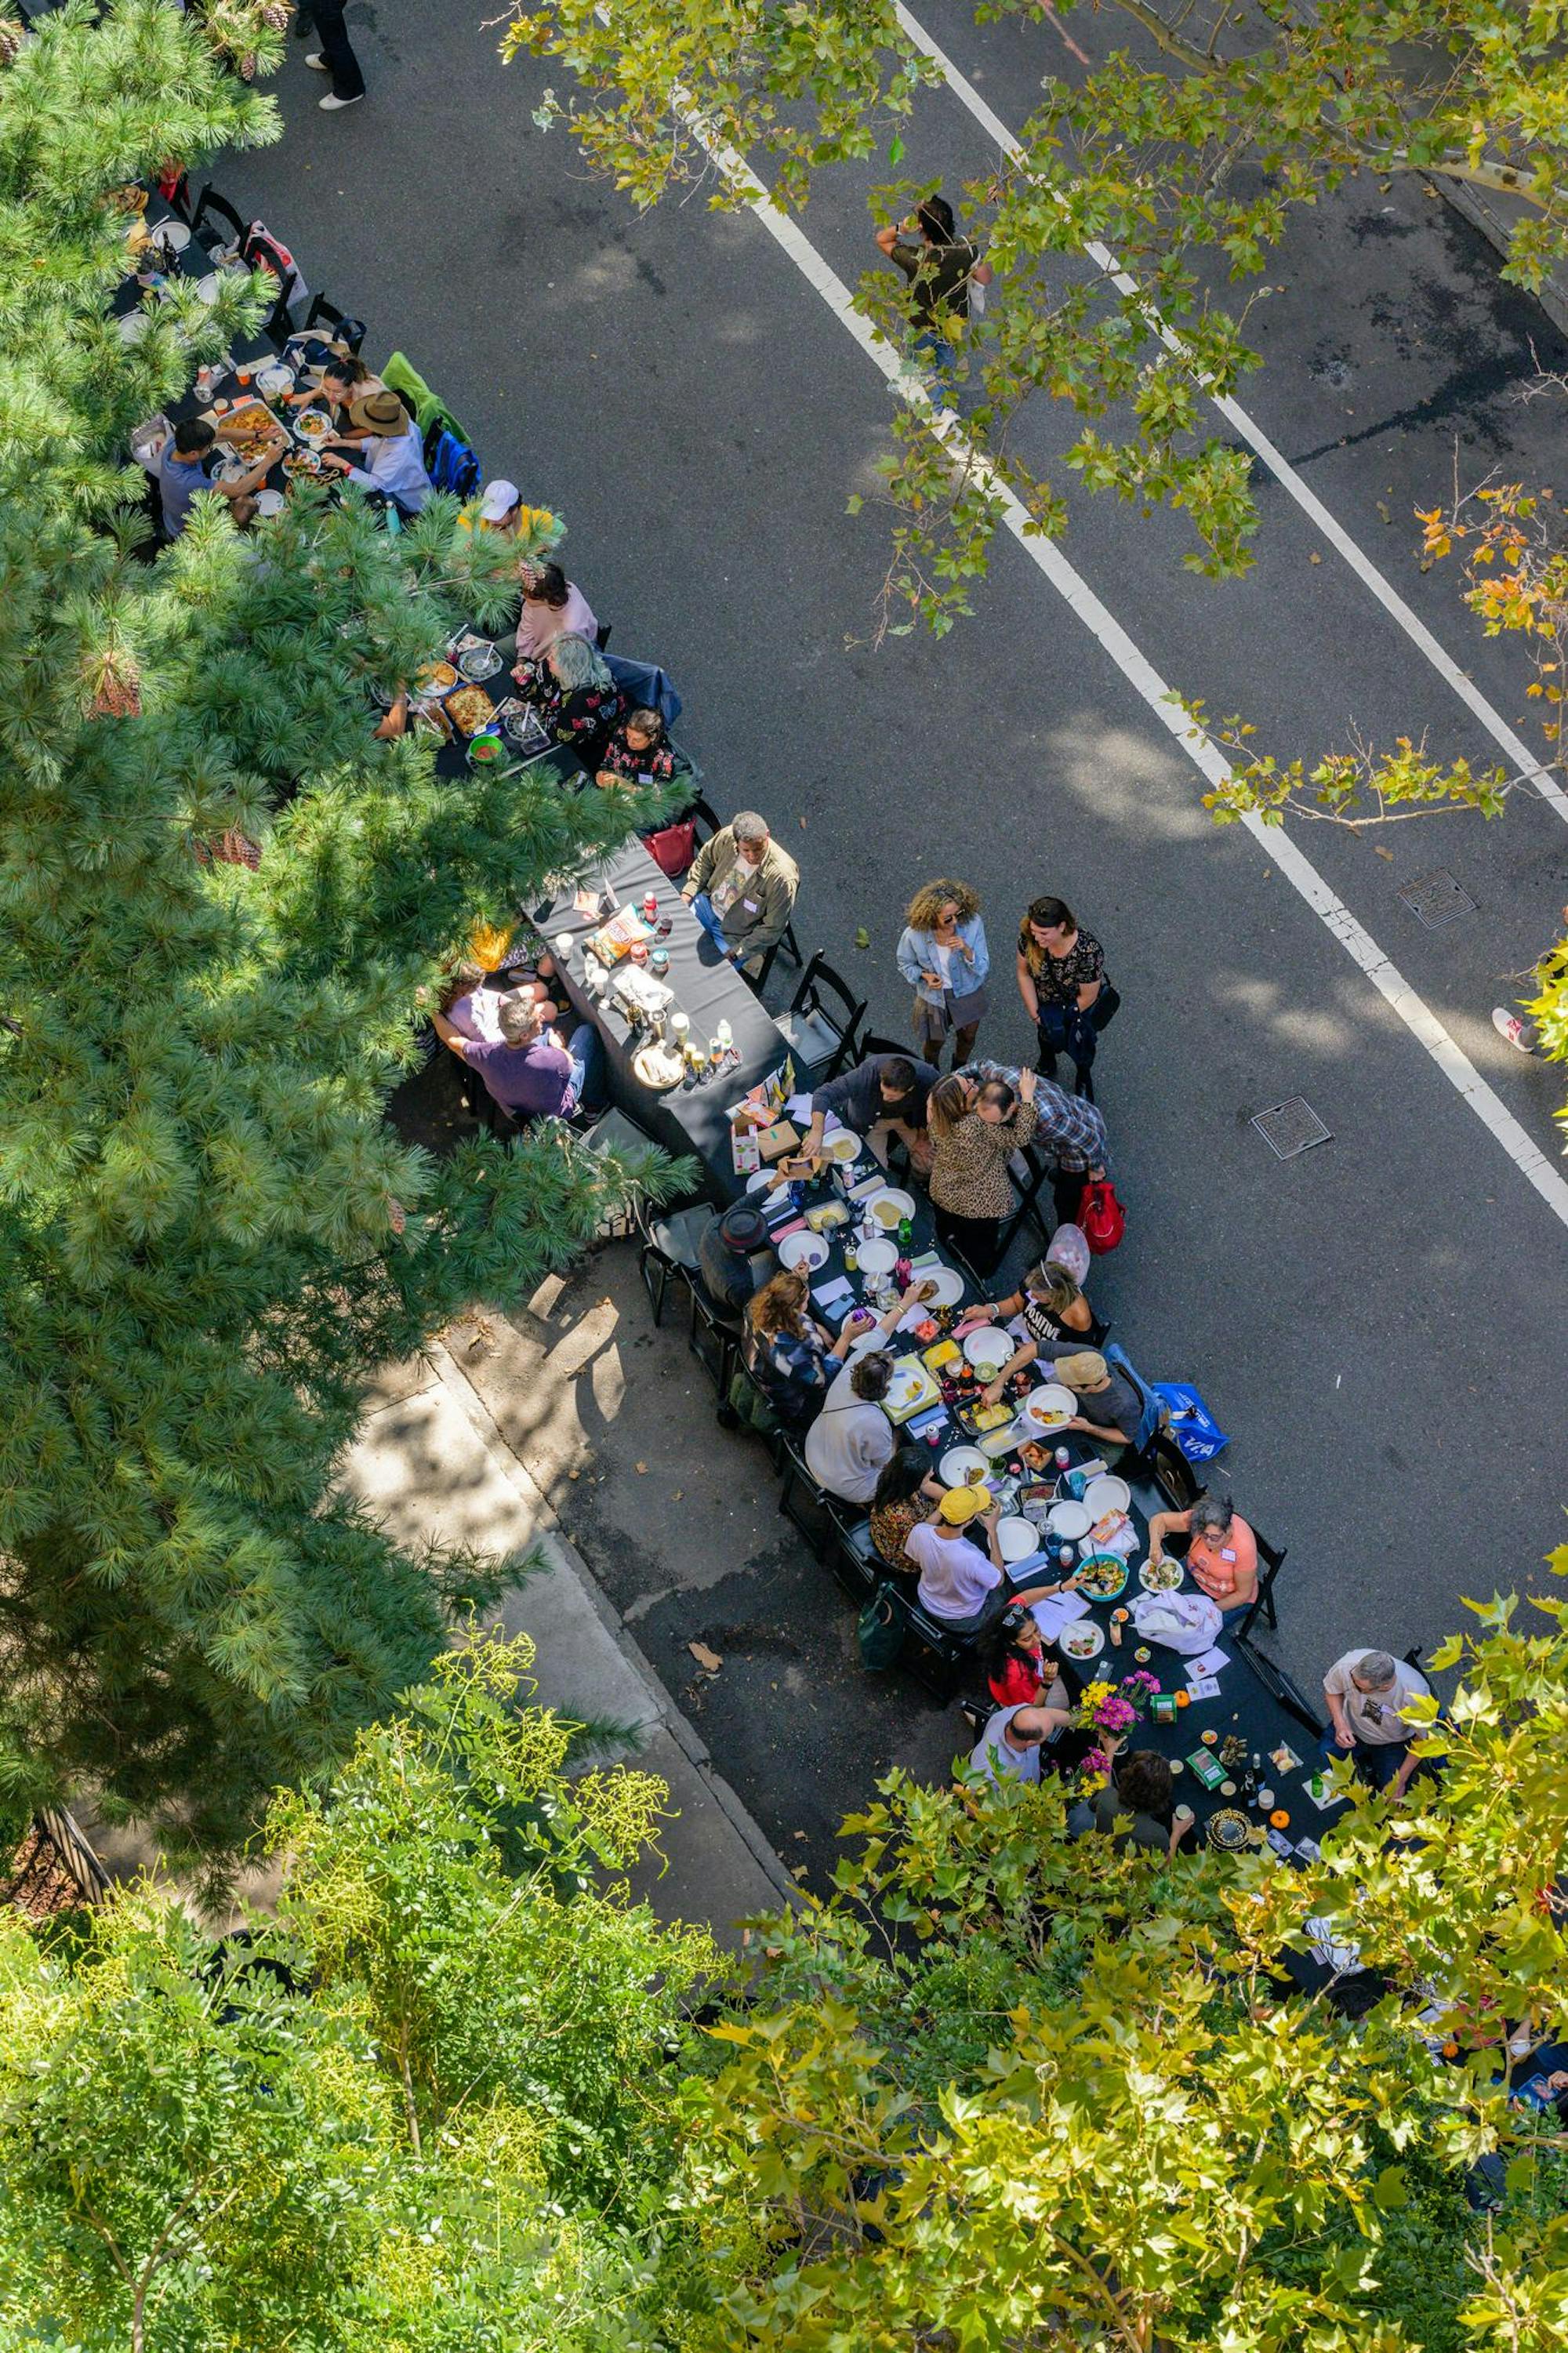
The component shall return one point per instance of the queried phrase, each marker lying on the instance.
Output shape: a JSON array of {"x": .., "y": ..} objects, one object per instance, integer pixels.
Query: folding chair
[
  {"x": 210, "y": 203},
  {"x": 1029, "y": 1170},
  {"x": 612, "y": 1131},
  {"x": 818, "y": 1033},
  {"x": 667, "y": 1247},
  {"x": 714, "y": 1340},
  {"x": 345, "y": 331},
  {"x": 278, "y": 326},
  {"x": 821, "y": 1518},
  {"x": 1136, "y": 1463}
]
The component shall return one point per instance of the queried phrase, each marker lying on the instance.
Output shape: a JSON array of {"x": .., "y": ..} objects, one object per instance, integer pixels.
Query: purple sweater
[{"x": 533, "y": 1081}]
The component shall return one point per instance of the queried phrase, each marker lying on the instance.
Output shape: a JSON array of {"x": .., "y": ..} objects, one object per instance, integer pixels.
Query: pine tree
[{"x": 208, "y": 1235}]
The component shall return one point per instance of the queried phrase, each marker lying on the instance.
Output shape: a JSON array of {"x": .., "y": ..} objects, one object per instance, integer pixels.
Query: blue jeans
[
  {"x": 935, "y": 357},
  {"x": 1375, "y": 1764},
  {"x": 586, "y": 1050},
  {"x": 714, "y": 924}
]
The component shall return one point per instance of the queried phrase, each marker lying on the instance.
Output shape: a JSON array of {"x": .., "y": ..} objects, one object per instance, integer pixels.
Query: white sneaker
[
  {"x": 331, "y": 101},
  {"x": 1508, "y": 1025},
  {"x": 318, "y": 64}
]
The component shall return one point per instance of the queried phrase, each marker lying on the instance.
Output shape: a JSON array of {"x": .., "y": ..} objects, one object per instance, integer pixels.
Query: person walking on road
[
  {"x": 1061, "y": 979},
  {"x": 336, "y": 56},
  {"x": 943, "y": 269}
]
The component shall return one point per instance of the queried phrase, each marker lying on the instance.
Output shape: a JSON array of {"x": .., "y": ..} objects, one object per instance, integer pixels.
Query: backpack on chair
[{"x": 451, "y": 463}]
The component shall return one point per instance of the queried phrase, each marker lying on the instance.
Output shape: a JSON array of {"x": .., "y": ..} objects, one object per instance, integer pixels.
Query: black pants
[
  {"x": 1077, "y": 1034},
  {"x": 336, "y": 48},
  {"x": 1066, "y": 1194},
  {"x": 977, "y": 1239}
]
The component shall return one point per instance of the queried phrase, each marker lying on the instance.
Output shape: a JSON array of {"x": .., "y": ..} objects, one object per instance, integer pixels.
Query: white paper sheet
[
  {"x": 798, "y": 1107},
  {"x": 1057, "y": 1611},
  {"x": 1204, "y": 1687},
  {"x": 825, "y": 1294},
  {"x": 1209, "y": 1664}
]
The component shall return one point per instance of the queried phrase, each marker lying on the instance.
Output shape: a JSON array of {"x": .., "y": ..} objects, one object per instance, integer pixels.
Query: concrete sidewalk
[{"x": 430, "y": 1462}]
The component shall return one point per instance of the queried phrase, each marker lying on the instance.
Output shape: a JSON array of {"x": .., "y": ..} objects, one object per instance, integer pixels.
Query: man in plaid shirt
[{"x": 1069, "y": 1130}]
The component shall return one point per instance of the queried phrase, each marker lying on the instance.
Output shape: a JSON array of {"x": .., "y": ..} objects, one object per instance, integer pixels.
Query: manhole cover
[
  {"x": 1290, "y": 1127},
  {"x": 1436, "y": 899}
]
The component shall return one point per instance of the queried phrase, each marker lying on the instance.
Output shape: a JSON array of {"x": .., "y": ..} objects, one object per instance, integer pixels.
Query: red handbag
[{"x": 1101, "y": 1217}]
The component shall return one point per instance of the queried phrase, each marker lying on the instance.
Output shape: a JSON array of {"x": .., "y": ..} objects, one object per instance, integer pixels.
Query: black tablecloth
[{"x": 706, "y": 987}]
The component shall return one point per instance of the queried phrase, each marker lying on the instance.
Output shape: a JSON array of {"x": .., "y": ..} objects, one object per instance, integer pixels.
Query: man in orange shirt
[{"x": 1222, "y": 1556}]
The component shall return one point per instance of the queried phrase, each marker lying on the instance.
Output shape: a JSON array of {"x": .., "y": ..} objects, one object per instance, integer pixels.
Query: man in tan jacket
[{"x": 741, "y": 888}]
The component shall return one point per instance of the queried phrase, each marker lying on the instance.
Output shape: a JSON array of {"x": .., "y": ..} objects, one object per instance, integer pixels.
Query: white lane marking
[
  {"x": 1145, "y": 680},
  {"x": 1520, "y": 758}
]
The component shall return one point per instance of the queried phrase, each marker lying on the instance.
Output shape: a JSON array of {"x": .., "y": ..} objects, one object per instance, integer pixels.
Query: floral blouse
[
  {"x": 572, "y": 718},
  {"x": 1058, "y": 979},
  {"x": 891, "y": 1523},
  {"x": 655, "y": 760}
]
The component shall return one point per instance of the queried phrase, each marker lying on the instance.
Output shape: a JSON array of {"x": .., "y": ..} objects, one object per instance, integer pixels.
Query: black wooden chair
[
  {"x": 210, "y": 206},
  {"x": 937, "y": 1657},
  {"x": 714, "y": 1340},
  {"x": 667, "y": 1249},
  {"x": 821, "y": 1025},
  {"x": 820, "y": 1517},
  {"x": 277, "y": 325},
  {"x": 344, "y": 330},
  {"x": 1032, "y": 1174}
]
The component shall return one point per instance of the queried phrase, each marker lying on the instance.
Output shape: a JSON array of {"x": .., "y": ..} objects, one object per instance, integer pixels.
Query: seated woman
[
  {"x": 975, "y": 1126},
  {"x": 905, "y": 1493},
  {"x": 1135, "y": 1804},
  {"x": 552, "y": 607},
  {"x": 1056, "y": 1316},
  {"x": 638, "y": 752},
  {"x": 1222, "y": 1555},
  {"x": 1021, "y": 1673},
  {"x": 474, "y": 998},
  {"x": 573, "y": 691},
  {"x": 789, "y": 1355}
]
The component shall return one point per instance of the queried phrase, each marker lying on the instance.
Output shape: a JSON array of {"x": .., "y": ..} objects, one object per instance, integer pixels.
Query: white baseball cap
[{"x": 499, "y": 501}]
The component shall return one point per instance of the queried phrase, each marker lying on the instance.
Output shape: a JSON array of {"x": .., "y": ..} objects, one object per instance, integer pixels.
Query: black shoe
[
  {"x": 1046, "y": 1065},
  {"x": 302, "y": 29},
  {"x": 1083, "y": 1080}
]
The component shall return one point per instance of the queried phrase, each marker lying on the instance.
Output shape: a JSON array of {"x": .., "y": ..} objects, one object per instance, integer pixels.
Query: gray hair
[
  {"x": 576, "y": 664},
  {"x": 747, "y": 826},
  {"x": 519, "y": 1019},
  {"x": 1376, "y": 1668},
  {"x": 1211, "y": 1511}
]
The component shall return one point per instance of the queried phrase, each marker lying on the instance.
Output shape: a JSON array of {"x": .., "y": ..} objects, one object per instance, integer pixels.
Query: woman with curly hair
[{"x": 943, "y": 956}]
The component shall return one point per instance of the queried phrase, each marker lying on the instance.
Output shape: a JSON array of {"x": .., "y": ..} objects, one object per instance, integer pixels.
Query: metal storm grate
[
  {"x": 1290, "y": 1127},
  {"x": 1436, "y": 899}
]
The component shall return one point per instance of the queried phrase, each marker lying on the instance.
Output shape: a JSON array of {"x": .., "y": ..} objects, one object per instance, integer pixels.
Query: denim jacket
[{"x": 917, "y": 954}]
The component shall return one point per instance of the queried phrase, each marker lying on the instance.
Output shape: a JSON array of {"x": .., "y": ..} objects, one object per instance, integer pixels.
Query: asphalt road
[{"x": 1379, "y": 1322}]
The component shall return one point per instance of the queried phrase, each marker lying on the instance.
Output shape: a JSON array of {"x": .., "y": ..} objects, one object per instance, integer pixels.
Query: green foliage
[
  {"x": 1181, "y": 159},
  {"x": 208, "y": 1236},
  {"x": 455, "y": 2135}
]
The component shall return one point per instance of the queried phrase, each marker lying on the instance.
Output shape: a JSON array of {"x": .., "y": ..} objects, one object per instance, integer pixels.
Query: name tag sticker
[{"x": 750, "y": 905}]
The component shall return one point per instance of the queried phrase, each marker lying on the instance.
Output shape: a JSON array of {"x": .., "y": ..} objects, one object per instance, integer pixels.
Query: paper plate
[
  {"x": 1069, "y": 1522},
  {"x": 1160, "y": 1577},
  {"x": 274, "y": 380},
  {"x": 172, "y": 233},
  {"x": 843, "y": 1146},
  {"x": 803, "y": 1253},
  {"x": 877, "y": 1257},
  {"x": 1107, "y": 1494},
  {"x": 761, "y": 1179},
  {"x": 1049, "y": 1408},
  {"x": 131, "y": 327},
  {"x": 889, "y": 1206},
  {"x": 962, "y": 1466},
  {"x": 985, "y": 1345},
  {"x": 1082, "y": 1639},
  {"x": 208, "y": 287},
  {"x": 949, "y": 1285},
  {"x": 1018, "y": 1538}
]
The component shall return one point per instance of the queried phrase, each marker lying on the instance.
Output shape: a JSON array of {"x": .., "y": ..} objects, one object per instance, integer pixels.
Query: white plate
[
  {"x": 876, "y": 1257},
  {"x": 986, "y": 1346},
  {"x": 172, "y": 233},
  {"x": 1069, "y": 1522},
  {"x": 888, "y": 1206},
  {"x": 1107, "y": 1494},
  {"x": 1050, "y": 1408},
  {"x": 843, "y": 1144},
  {"x": 961, "y": 1466},
  {"x": 910, "y": 1379},
  {"x": 268, "y": 502},
  {"x": 1082, "y": 1639},
  {"x": 275, "y": 380},
  {"x": 208, "y": 287},
  {"x": 760, "y": 1178},
  {"x": 949, "y": 1285},
  {"x": 131, "y": 327},
  {"x": 1160, "y": 1581},
  {"x": 1018, "y": 1538},
  {"x": 803, "y": 1253},
  {"x": 479, "y": 661}
]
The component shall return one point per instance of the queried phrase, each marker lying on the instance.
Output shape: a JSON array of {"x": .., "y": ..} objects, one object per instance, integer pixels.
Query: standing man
[
  {"x": 1367, "y": 1693},
  {"x": 336, "y": 56},
  {"x": 941, "y": 267},
  {"x": 741, "y": 888}
]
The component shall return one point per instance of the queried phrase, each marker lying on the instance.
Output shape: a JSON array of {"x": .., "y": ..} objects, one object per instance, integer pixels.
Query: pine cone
[
  {"x": 10, "y": 39},
  {"x": 116, "y": 685},
  {"x": 396, "y": 1215},
  {"x": 276, "y": 14}
]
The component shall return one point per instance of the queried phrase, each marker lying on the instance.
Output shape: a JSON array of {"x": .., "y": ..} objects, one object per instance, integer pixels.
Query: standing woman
[
  {"x": 1061, "y": 979},
  {"x": 975, "y": 1127},
  {"x": 943, "y": 956}
]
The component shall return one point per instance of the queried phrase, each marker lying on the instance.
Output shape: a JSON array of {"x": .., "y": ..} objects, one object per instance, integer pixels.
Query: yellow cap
[{"x": 961, "y": 1504}]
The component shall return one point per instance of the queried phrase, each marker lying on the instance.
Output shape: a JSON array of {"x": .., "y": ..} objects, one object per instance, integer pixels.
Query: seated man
[
  {"x": 1110, "y": 1407},
  {"x": 1008, "y": 1749},
  {"x": 1135, "y": 1804},
  {"x": 851, "y": 1439},
  {"x": 1366, "y": 1692},
  {"x": 881, "y": 1097},
  {"x": 531, "y": 1072},
  {"x": 1222, "y": 1556},
  {"x": 638, "y": 752},
  {"x": 180, "y": 471},
  {"x": 735, "y": 1258},
  {"x": 742, "y": 890}
]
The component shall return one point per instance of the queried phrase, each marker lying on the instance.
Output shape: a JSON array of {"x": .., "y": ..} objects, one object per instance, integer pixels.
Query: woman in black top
[
  {"x": 1061, "y": 979},
  {"x": 1056, "y": 1316}
]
